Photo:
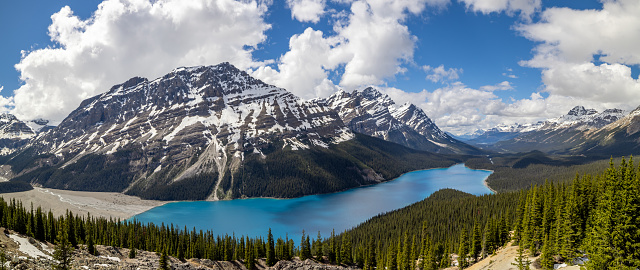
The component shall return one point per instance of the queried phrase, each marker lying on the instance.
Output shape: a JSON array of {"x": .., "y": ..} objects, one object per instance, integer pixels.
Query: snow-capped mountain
[
  {"x": 13, "y": 133},
  {"x": 208, "y": 132},
  {"x": 553, "y": 134},
  {"x": 621, "y": 137},
  {"x": 370, "y": 112},
  {"x": 191, "y": 108}
]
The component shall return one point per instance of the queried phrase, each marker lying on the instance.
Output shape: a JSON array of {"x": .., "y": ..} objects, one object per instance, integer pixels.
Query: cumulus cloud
[
  {"x": 570, "y": 41},
  {"x": 306, "y": 10},
  {"x": 126, "y": 38},
  {"x": 455, "y": 108},
  {"x": 370, "y": 45},
  {"x": 525, "y": 7},
  {"x": 440, "y": 73},
  {"x": 302, "y": 68},
  {"x": 505, "y": 85}
]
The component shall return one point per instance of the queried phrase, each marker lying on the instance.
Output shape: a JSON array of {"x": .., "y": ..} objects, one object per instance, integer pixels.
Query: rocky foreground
[{"x": 27, "y": 253}]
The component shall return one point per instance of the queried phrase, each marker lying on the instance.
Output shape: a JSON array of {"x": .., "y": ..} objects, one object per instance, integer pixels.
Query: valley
[{"x": 216, "y": 157}]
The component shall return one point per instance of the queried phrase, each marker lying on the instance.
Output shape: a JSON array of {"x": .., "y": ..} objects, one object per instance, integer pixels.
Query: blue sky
[{"x": 468, "y": 63}]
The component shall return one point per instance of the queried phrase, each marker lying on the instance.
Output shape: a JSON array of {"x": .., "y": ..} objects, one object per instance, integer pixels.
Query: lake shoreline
[
  {"x": 98, "y": 204},
  {"x": 118, "y": 205}
]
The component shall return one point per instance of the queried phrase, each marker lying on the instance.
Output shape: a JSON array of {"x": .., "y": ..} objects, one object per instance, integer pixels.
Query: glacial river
[{"x": 339, "y": 211}]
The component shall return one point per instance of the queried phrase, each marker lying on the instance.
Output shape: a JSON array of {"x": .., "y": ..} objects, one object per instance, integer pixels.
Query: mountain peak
[
  {"x": 370, "y": 93},
  {"x": 580, "y": 111}
]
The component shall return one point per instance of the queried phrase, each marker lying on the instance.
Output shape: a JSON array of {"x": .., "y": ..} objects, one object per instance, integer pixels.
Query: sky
[{"x": 469, "y": 64}]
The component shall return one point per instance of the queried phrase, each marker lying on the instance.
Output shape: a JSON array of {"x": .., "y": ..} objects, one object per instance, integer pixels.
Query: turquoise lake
[{"x": 339, "y": 211}]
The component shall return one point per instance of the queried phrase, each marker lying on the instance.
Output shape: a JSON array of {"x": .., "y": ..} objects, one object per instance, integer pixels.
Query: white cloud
[
  {"x": 525, "y": 7},
  {"x": 505, "y": 85},
  {"x": 126, "y": 38},
  {"x": 302, "y": 68},
  {"x": 307, "y": 10},
  {"x": 371, "y": 44},
  {"x": 571, "y": 40},
  {"x": 455, "y": 108},
  {"x": 440, "y": 73}
]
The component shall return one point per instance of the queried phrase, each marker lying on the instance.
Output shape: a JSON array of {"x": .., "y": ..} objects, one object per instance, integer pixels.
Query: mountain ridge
[
  {"x": 370, "y": 112},
  {"x": 208, "y": 132}
]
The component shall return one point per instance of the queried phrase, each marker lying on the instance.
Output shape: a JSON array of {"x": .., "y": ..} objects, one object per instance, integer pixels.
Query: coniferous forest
[{"x": 593, "y": 215}]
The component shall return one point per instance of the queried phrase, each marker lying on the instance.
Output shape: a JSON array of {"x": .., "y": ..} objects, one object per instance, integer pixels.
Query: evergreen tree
[
  {"x": 476, "y": 242},
  {"x": 445, "y": 260},
  {"x": 63, "y": 251},
  {"x": 3, "y": 260},
  {"x": 132, "y": 253},
  {"x": 317, "y": 247},
  {"x": 163, "y": 260},
  {"x": 271, "y": 257},
  {"x": 332, "y": 248},
  {"x": 522, "y": 261},
  {"x": 91, "y": 248},
  {"x": 463, "y": 249},
  {"x": 392, "y": 257},
  {"x": 345, "y": 250},
  {"x": 249, "y": 254},
  {"x": 546, "y": 260},
  {"x": 370, "y": 257}
]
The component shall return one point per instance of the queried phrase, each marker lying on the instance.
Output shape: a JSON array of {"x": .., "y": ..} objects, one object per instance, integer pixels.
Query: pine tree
[
  {"x": 63, "y": 251},
  {"x": 445, "y": 261},
  {"x": 476, "y": 242},
  {"x": 522, "y": 261},
  {"x": 71, "y": 230},
  {"x": 332, "y": 247},
  {"x": 132, "y": 253},
  {"x": 463, "y": 249},
  {"x": 163, "y": 261},
  {"x": 370, "y": 255},
  {"x": 90, "y": 245},
  {"x": 271, "y": 257},
  {"x": 546, "y": 260},
  {"x": 345, "y": 250},
  {"x": 249, "y": 254},
  {"x": 392, "y": 257},
  {"x": 3, "y": 260},
  {"x": 317, "y": 247}
]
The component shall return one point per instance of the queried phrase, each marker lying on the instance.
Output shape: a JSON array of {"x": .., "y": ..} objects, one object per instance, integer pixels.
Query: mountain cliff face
[
  {"x": 209, "y": 132},
  {"x": 552, "y": 135},
  {"x": 13, "y": 133},
  {"x": 372, "y": 113},
  {"x": 621, "y": 137}
]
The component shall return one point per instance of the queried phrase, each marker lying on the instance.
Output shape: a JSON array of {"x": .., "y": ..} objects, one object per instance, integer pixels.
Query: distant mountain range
[
  {"x": 214, "y": 132},
  {"x": 567, "y": 134}
]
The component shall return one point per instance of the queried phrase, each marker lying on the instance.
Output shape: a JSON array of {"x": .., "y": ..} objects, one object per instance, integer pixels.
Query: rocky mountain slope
[
  {"x": 620, "y": 138},
  {"x": 551, "y": 135},
  {"x": 209, "y": 132},
  {"x": 370, "y": 112},
  {"x": 13, "y": 133}
]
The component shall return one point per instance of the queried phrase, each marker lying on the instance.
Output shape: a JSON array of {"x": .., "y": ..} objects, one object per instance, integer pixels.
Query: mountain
[
  {"x": 209, "y": 132},
  {"x": 552, "y": 135},
  {"x": 13, "y": 133},
  {"x": 370, "y": 112},
  {"x": 620, "y": 138}
]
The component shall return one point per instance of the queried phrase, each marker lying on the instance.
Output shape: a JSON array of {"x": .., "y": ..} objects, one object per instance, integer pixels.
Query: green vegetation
[
  {"x": 516, "y": 172},
  {"x": 9, "y": 187},
  {"x": 597, "y": 215},
  {"x": 282, "y": 173},
  {"x": 287, "y": 174}
]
